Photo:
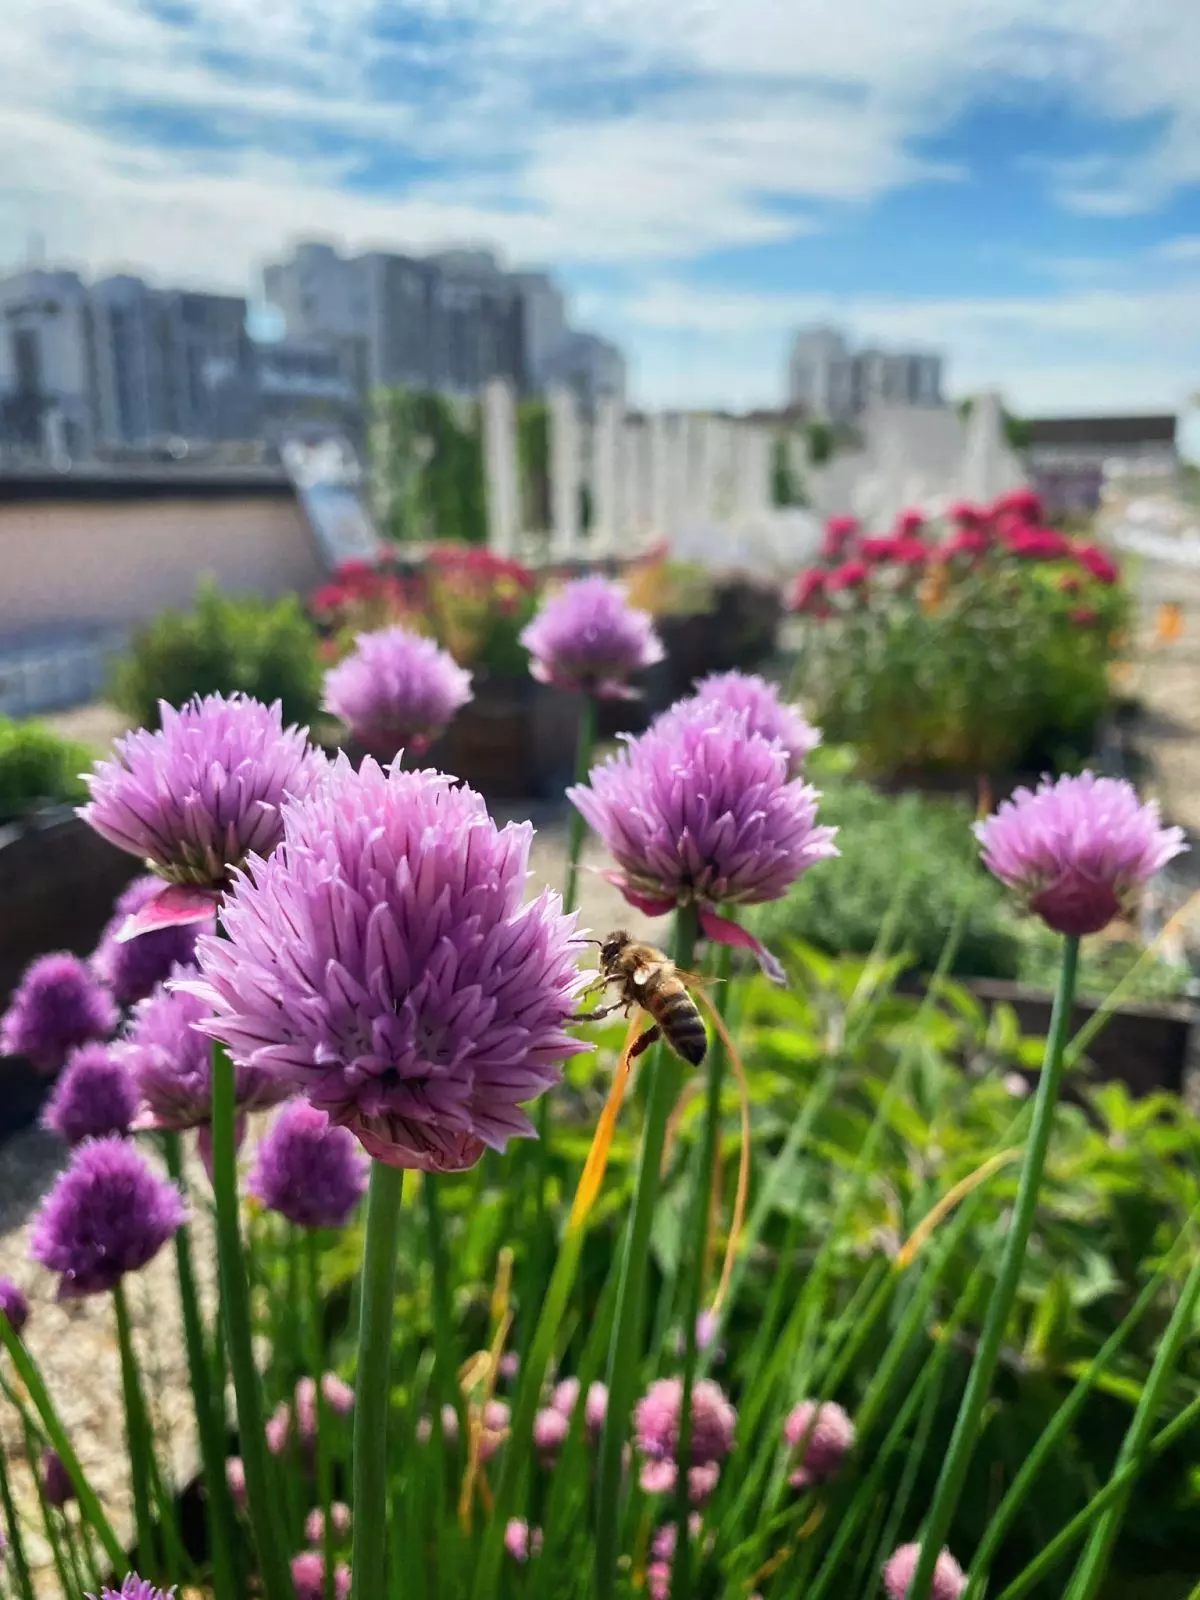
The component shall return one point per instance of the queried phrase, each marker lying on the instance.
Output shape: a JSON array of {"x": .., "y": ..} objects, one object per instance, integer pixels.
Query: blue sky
[{"x": 1013, "y": 182}]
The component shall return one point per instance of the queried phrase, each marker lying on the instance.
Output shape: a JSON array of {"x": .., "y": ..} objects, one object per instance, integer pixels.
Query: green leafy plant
[
  {"x": 426, "y": 465},
  {"x": 38, "y": 768},
  {"x": 266, "y": 648}
]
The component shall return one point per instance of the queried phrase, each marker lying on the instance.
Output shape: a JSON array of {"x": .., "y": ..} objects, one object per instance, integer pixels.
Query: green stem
[
  {"x": 1094, "y": 1562},
  {"x": 1112, "y": 1490},
  {"x": 210, "y": 1422},
  {"x": 52, "y": 1539},
  {"x": 966, "y": 1428},
  {"x": 137, "y": 1432},
  {"x": 35, "y": 1387},
  {"x": 625, "y": 1352},
  {"x": 681, "y": 1576},
  {"x": 235, "y": 1307},
  {"x": 585, "y": 744},
  {"x": 372, "y": 1385},
  {"x": 316, "y": 1364},
  {"x": 449, "y": 1390},
  {"x": 15, "y": 1543}
]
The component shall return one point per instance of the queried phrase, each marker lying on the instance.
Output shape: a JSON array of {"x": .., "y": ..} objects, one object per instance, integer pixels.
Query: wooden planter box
[
  {"x": 1144, "y": 1047},
  {"x": 58, "y": 881}
]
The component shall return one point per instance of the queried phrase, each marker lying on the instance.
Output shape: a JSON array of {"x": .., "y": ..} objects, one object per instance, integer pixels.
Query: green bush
[
  {"x": 38, "y": 768},
  {"x": 266, "y": 648}
]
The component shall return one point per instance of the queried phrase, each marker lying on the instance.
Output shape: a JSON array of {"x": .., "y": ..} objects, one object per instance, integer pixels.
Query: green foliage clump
[
  {"x": 38, "y": 768},
  {"x": 266, "y": 648},
  {"x": 426, "y": 465}
]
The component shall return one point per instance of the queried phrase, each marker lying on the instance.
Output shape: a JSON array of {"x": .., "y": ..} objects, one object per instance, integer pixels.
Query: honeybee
[{"x": 649, "y": 979}]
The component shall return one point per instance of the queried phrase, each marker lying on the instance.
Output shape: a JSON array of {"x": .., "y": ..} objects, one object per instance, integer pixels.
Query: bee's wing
[{"x": 642, "y": 976}]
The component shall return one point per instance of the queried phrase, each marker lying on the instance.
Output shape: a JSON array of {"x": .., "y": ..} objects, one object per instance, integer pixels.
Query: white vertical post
[
  {"x": 607, "y": 431},
  {"x": 501, "y": 479},
  {"x": 564, "y": 475}
]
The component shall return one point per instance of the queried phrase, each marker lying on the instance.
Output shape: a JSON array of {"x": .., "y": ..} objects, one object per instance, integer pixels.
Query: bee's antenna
[{"x": 599, "y": 943}]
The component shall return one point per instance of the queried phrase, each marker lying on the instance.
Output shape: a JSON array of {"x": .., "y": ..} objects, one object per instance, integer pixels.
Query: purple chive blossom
[
  {"x": 339, "y": 1522},
  {"x": 520, "y": 1540},
  {"x": 384, "y": 964},
  {"x": 235, "y": 1478},
  {"x": 767, "y": 714},
  {"x": 95, "y": 1095},
  {"x": 656, "y": 1435},
  {"x": 565, "y": 1396},
  {"x": 108, "y": 1214},
  {"x": 595, "y": 1408},
  {"x": 662, "y": 1555},
  {"x": 823, "y": 1435},
  {"x": 57, "y": 1005},
  {"x": 550, "y": 1430},
  {"x": 132, "y": 967},
  {"x": 949, "y": 1579},
  {"x": 698, "y": 810},
  {"x": 13, "y": 1304},
  {"x": 307, "y": 1169},
  {"x": 588, "y": 636},
  {"x": 509, "y": 1365},
  {"x": 308, "y": 1577},
  {"x": 396, "y": 691},
  {"x": 494, "y": 1425},
  {"x": 171, "y": 1062},
  {"x": 449, "y": 1427},
  {"x": 337, "y": 1394},
  {"x": 196, "y": 797},
  {"x": 1077, "y": 851},
  {"x": 135, "y": 1588},
  {"x": 57, "y": 1484},
  {"x": 278, "y": 1428}
]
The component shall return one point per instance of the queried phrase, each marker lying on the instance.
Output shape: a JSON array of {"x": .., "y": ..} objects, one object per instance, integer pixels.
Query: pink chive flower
[
  {"x": 307, "y": 1169},
  {"x": 494, "y": 1428},
  {"x": 278, "y": 1428},
  {"x": 132, "y": 968},
  {"x": 588, "y": 637},
  {"x": 700, "y": 810},
  {"x": 108, "y": 1214},
  {"x": 57, "y": 1483},
  {"x": 13, "y": 1304},
  {"x": 823, "y": 1435},
  {"x": 662, "y": 1555},
  {"x": 384, "y": 963},
  {"x": 198, "y": 796},
  {"x": 1077, "y": 851},
  {"x": 449, "y": 1427},
  {"x": 550, "y": 1430},
  {"x": 565, "y": 1396},
  {"x": 656, "y": 1436},
  {"x": 520, "y": 1540},
  {"x": 595, "y": 1408},
  {"x": 337, "y": 1394},
  {"x": 94, "y": 1095},
  {"x": 396, "y": 691},
  {"x": 171, "y": 1062},
  {"x": 235, "y": 1478},
  {"x": 767, "y": 713},
  {"x": 135, "y": 1588},
  {"x": 308, "y": 1577},
  {"x": 339, "y": 1522},
  {"x": 57, "y": 1005},
  {"x": 949, "y": 1579}
]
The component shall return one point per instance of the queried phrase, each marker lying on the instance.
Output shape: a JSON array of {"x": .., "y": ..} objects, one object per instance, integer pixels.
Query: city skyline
[{"x": 1022, "y": 191}]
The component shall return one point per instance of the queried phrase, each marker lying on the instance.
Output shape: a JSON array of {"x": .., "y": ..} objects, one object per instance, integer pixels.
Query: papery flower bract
[
  {"x": 949, "y": 1580},
  {"x": 135, "y": 1588},
  {"x": 520, "y": 1540},
  {"x": 823, "y": 1434},
  {"x": 767, "y": 713},
  {"x": 1077, "y": 851},
  {"x": 57, "y": 1483},
  {"x": 396, "y": 690},
  {"x": 13, "y": 1304},
  {"x": 698, "y": 810},
  {"x": 57, "y": 1005},
  {"x": 197, "y": 796},
  {"x": 307, "y": 1169},
  {"x": 587, "y": 636},
  {"x": 383, "y": 962},
  {"x": 171, "y": 1062},
  {"x": 94, "y": 1095},
  {"x": 108, "y": 1214},
  {"x": 308, "y": 1577},
  {"x": 132, "y": 967},
  {"x": 656, "y": 1435},
  {"x": 339, "y": 1522}
]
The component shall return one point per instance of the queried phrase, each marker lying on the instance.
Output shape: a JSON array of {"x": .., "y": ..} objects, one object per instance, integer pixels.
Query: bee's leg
[
  {"x": 598, "y": 1015},
  {"x": 651, "y": 1036}
]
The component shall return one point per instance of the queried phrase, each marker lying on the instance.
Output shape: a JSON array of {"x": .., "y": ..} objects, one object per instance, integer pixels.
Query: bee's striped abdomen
[{"x": 682, "y": 1025}]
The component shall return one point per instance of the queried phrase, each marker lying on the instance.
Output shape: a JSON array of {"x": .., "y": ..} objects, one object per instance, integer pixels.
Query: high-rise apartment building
[
  {"x": 45, "y": 382},
  {"x": 836, "y": 383}
]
